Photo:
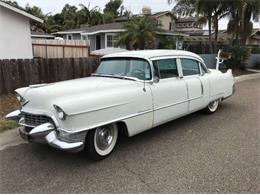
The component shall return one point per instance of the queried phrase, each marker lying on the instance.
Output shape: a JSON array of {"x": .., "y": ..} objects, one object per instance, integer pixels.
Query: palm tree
[
  {"x": 206, "y": 12},
  {"x": 220, "y": 11},
  {"x": 241, "y": 12},
  {"x": 140, "y": 33},
  {"x": 184, "y": 7}
]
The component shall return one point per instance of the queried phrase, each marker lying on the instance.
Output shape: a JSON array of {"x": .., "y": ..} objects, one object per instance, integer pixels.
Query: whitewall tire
[
  {"x": 212, "y": 107},
  {"x": 101, "y": 141}
]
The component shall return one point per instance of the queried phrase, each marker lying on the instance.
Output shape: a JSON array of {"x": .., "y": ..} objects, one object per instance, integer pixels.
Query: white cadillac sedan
[{"x": 130, "y": 92}]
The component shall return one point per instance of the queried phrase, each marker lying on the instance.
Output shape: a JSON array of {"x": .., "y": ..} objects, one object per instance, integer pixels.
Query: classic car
[{"x": 130, "y": 92}]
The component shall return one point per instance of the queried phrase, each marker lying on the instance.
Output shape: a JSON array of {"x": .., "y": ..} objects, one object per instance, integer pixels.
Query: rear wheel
[
  {"x": 212, "y": 107},
  {"x": 101, "y": 141}
]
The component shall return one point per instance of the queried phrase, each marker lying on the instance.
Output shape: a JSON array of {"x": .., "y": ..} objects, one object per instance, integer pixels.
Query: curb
[
  {"x": 253, "y": 70},
  {"x": 247, "y": 77},
  {"x": 10, "y": 138}
]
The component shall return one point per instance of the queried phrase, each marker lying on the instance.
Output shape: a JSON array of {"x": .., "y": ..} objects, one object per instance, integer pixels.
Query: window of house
[
  {"x": 165, "y": 68},
  {"x": 190, "y": 67},
  {"x": 70, "y": 37},
  {"x": 111, "y": 41},
  {"x": 159, "y": 23}
]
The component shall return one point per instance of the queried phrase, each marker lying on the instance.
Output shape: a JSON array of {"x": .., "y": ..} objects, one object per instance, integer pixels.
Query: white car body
[{"x": 136, "y": 105}]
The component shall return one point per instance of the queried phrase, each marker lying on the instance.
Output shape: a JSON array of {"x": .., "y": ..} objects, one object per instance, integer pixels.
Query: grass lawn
[{"x": 8, "y": 103}]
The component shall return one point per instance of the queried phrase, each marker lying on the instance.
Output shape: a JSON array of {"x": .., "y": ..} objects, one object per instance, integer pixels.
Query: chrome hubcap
[
  {"x": 104, "y": 137},
  {"x": 213, "y": 105}
]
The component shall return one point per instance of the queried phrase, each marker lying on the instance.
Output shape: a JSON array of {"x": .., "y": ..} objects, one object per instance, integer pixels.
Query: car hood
[{"x": 65, "y": 93}]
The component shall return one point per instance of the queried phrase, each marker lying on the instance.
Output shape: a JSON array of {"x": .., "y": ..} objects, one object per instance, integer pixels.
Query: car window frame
[
  {"x": 139, "y": 58},
  {"x": 166, "y": 58},
  {"x": 191, "y": 58}
]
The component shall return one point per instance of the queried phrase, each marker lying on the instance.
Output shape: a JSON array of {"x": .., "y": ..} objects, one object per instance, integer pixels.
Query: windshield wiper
[
  {"x": 123, "y": 77},
  {"x": 115, "y": 76}
]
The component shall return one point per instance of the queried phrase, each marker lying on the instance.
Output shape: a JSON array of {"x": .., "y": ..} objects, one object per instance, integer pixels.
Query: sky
[{"x": 135, "y": 6}]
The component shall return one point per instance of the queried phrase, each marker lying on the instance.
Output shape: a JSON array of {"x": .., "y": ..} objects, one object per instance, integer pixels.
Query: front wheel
[
  {"x": 212, "y": 107},
  {"x": 101, "y": 141}
]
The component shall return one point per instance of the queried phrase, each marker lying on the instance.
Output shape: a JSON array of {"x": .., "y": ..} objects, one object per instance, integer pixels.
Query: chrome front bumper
[{"x": 47, "y": 133}]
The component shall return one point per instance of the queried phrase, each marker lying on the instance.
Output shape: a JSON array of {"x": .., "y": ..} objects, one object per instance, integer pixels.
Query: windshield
[{"x": 125, "y": 67}]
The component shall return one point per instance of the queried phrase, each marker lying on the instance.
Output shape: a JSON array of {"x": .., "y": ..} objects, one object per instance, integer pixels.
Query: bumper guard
[{"x": 45, "y": 133}]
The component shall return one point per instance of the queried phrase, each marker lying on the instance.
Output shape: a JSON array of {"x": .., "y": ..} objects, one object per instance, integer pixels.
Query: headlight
[
  {"x": 21, "y": 99},
  {"x": 61, "y": 114}
]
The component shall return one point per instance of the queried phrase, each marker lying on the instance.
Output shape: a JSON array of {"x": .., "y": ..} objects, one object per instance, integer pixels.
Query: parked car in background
[{"x": 130, "y": 92}]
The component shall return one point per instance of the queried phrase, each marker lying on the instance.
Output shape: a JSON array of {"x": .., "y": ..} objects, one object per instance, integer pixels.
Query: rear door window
[
  {"x": 165, "y": 68},
  {"x": 190, "y": 67}
]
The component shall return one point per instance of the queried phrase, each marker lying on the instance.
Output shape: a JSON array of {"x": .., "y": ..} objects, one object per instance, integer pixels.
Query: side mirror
[{"x": 156, "y": 79}]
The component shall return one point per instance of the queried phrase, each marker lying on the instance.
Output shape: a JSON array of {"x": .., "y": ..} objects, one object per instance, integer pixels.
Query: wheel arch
[{"x": 122, "y": 128}]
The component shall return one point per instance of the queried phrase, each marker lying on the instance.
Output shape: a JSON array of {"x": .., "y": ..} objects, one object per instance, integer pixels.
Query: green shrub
[
  {"x": 7, "y": 124},
  {"x": 239, "y": 58}
]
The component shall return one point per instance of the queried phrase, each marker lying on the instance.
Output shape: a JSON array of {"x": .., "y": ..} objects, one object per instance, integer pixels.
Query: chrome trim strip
[
  {"x": 126, "y": 117},
  {"x": 98, "y": 109},
  {"x": 170, "y": 105},
  {"x": 105, "y": 123},
  {"x": 195, "y": 98}
]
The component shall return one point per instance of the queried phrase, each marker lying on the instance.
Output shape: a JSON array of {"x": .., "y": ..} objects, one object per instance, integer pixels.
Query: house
[
  {"x": 164, "y": 19},
  {"x": 105, "y": 35},
  {"x": 15, "y": 34},
  {"x": 72, "y": 34},
  {"x": 198, "y": 40},
  {"x": 188, "y": 24},
  {"x": 41, "y": 35}
]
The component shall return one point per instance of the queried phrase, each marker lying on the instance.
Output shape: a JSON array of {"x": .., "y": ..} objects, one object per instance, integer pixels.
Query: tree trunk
[
  {"x": 216, "y": 35},
  {"x": 210, "y": 36}
]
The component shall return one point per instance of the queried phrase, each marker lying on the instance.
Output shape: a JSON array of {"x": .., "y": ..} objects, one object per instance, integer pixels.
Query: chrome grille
[{"x": 35, "y": 120}]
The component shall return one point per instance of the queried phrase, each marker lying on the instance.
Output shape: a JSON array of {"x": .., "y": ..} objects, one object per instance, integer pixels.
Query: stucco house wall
[
  {"x": 165, "y": 21},
  {"x": 15, "y": 35}
]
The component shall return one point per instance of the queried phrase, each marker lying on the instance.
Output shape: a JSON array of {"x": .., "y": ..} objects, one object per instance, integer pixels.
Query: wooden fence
[
  {"x": 21, "y": 73},
  {"x": 60, "y": 48}
]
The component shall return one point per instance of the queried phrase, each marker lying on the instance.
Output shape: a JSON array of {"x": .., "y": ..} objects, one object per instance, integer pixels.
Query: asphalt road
[{"x": 198, "y": 153}]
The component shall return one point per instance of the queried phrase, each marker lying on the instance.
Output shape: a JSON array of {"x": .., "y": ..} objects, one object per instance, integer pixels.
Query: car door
[
  {"x": 197, "y": 83},
  {"x": 170, "y": 96}
]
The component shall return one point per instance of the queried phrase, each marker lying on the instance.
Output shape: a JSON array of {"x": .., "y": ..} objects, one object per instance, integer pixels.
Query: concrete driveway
[{"x": 198, "y": 153}]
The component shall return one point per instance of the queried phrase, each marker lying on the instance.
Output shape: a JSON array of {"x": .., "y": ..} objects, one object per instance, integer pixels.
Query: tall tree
[
  {"x": 140, "y": 33},
  {"x": 69, "y": 16},
  {"x": 204, "y": 10},
  {"x": 184, "y": 7},
  {"x": 241, "y": 13},
  {"x": 113, "y": 7}
]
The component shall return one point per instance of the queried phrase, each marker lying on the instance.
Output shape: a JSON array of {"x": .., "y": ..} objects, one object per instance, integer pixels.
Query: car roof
[{"x": 153, "y": 54}]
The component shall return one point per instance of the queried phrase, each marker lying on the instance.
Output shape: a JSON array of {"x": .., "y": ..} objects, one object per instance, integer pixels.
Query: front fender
[{"x": 104, "y": 107}]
